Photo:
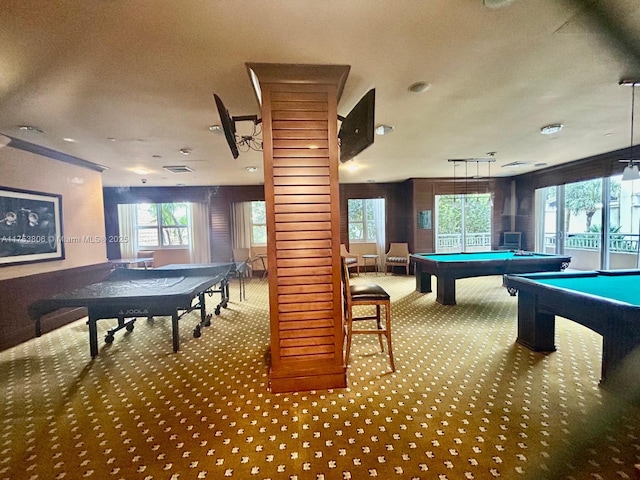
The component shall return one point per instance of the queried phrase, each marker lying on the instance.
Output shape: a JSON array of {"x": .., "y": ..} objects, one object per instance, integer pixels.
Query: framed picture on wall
[
  {"x": 424, "y": 219},
  {"x": 30, "y": 227}
]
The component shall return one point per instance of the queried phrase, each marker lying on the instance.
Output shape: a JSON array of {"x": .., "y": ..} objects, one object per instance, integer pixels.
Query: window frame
[
  {"x": 160, "y": 227},
  {"x": 258, "y": 224},
  {"x": 365, "y": 236}
]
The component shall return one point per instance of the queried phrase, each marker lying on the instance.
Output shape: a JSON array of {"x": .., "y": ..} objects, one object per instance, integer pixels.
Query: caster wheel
[
  {"x": 224, "y": 305},
  {"x": 196, "y": 332},
  {"x": 130, "y": 327},
  {"x": 218, "y": 310},
  {"x": 108, "y": 339},
  {"x": 207, "y": 321}
]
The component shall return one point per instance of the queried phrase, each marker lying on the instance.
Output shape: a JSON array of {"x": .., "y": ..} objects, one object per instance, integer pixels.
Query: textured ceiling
[{"x": 132, "y": 81}]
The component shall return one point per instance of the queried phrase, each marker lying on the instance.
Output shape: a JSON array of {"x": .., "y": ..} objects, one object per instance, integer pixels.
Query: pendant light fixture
[
  {"x": 631, "y": 171},
  {"x": 488, "y": 160}
]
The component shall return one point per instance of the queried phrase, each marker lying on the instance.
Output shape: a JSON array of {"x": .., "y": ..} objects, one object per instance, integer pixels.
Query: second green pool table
[
  {"x": 447, "y": 267},
  {"x": 603, "y": 301}
]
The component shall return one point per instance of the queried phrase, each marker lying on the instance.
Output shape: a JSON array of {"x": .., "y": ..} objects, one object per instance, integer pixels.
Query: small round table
[{"x": 373, "y": 257}]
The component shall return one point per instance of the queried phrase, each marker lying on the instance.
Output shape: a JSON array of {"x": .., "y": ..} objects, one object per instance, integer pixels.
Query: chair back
[
  {"x": 343, "y": 250},
  {"x": 242, "y": 255},
  {"x": 398, "y": 250},
  {"x": 346, "y": 291},
  {"x": 365, "y": 295}
]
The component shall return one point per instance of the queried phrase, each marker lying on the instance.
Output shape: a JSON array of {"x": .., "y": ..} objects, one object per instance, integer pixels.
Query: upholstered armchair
[
  {"x": 350, "y": 260},
  {"x": 397, "y": 256}
]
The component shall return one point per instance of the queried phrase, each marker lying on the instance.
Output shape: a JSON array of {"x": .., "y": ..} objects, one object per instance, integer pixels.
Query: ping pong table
[{"x": 128, "y": 293}]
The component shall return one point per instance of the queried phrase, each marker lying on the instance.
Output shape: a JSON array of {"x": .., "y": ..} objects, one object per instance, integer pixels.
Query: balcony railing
[
  {"x": 452, "y": 242},
  {"x": 618, "y": 242}
]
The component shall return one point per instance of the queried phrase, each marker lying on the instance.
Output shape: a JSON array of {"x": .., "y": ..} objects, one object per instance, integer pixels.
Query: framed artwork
[
  {"x": 30, "y": 227},
  {"x": 424, "y": 219}
]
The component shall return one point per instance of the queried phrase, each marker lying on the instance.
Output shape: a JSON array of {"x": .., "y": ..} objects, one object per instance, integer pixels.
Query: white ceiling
[{"x": 142, "y": 73}]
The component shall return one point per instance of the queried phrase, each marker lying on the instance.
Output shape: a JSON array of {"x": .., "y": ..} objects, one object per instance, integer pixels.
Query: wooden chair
[
  {"x": 351, "y": 260},
  {"x": 366, "y": 295},
  {"x": 397, "y": 256}
]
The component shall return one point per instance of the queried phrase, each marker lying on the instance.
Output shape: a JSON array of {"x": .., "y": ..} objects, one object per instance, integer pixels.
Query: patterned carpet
[{"x": 466, "y": 402}]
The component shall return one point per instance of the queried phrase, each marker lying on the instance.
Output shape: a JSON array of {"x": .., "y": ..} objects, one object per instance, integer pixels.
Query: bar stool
[{"x": 369, "y": 294}]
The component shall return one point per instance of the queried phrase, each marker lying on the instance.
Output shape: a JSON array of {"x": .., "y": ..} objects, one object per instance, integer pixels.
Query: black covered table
[
  {"x": 209, "y": 269},
  {"x": 126, "y": 294}
]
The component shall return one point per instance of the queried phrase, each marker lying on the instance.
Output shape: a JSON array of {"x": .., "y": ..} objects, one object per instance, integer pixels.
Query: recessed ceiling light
[
  {"x": 540, "y": 164},
  {"x": 215, "y": 128},
  {"x": 252, "y": 169},
  {"x": 551, "y": 129},
  {"x": 384, "y": 129},
  {"x": 419, "y": 87},
  {"x": 111, "y": 139},
  {"x": 140, "y": 171},
  {"x": 156, "y": 156},
  {"x": 69, "y": 139},
  {"x": 185, "y": 151}
]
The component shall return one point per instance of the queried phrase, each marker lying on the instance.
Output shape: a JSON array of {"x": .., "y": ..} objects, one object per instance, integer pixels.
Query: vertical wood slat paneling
[
  {"x": 299, "y": 114},
  {"x": 301, "y": 178}
]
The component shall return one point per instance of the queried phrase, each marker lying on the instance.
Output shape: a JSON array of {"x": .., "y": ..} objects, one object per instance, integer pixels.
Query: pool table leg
[
  {"x": 423, "y": 281},
  {"x": 616, "y": 350},
  {"x": 536, "y": 330},
  {"x": 446, "y": 290}
]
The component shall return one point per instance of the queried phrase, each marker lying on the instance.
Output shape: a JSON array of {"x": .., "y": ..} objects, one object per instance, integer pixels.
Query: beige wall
[
  {"x": 82, "y": 207},
  {"x": 168, "y": 256},
  {"x": 359, "y": 249}
]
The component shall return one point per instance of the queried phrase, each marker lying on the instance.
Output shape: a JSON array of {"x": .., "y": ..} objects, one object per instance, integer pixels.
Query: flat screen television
[
  {"x": 358, "y": 127},
  {"x": 512, "y": 240},
  {"x": 228, "y": 126}
]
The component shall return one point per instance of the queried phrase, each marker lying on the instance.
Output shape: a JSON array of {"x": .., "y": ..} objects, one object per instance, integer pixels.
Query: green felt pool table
[
  {"x": 606, "y": 302},
  {"x": 447, "y": 267}
]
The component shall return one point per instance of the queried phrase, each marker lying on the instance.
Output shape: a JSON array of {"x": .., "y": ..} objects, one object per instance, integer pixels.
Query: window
[
  {"x": 362, "y": 220},
  {"x": 463, "y": 223},
  {"x": 258, "y": 223},
  {"x": 162, "y": 224}
]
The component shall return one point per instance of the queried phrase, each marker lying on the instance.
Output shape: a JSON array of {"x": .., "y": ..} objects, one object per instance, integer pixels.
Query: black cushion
[{"x": 368, "y": 291}]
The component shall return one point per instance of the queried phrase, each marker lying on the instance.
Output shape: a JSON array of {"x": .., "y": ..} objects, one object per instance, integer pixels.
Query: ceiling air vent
[
  {"x": 515, "y": 164},
  {"x": 178, "y": 168}
]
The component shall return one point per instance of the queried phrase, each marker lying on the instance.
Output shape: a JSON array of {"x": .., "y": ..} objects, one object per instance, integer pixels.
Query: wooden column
[{"x": 300, "y": 143}]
